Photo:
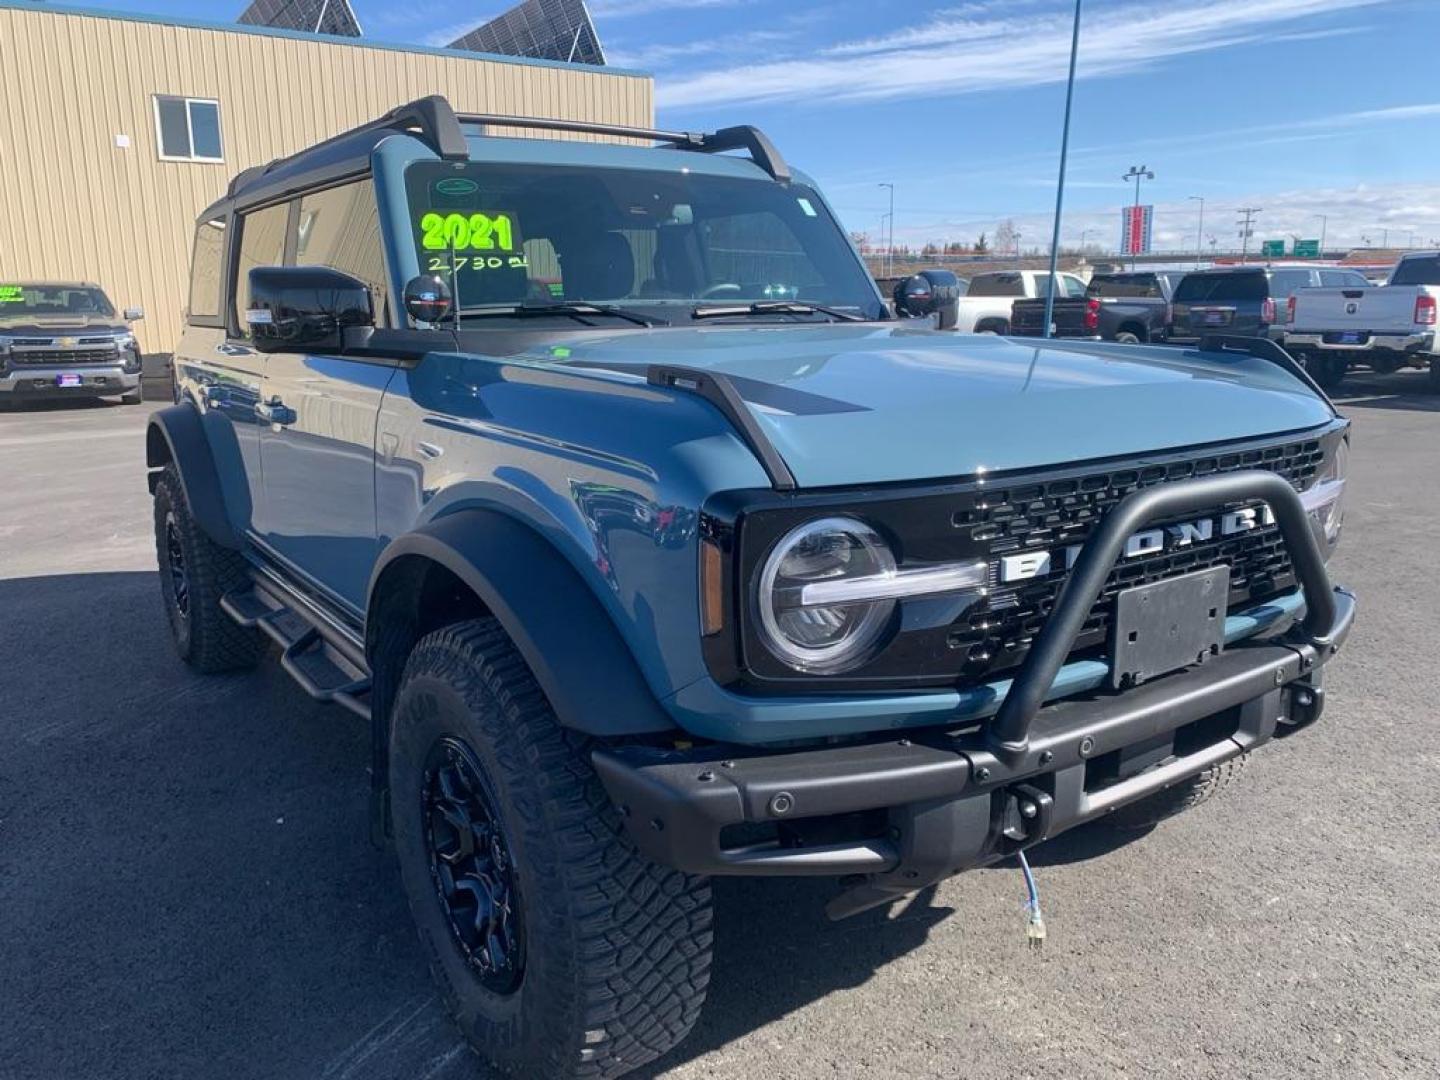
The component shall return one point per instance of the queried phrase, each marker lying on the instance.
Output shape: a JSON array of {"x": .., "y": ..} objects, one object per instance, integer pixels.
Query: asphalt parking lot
[{"x": 186, "y": 887}]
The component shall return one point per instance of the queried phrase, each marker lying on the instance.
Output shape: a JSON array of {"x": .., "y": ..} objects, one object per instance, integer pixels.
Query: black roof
[{"x": 436, "y": 124}]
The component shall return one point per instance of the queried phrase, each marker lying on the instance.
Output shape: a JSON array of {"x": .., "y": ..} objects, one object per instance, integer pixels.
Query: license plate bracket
[
  {"x": 68, "y": 380},
  {"x": 1167, "y": 625}
]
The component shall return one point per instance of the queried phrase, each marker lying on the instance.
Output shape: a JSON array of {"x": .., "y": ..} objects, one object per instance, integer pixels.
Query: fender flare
[
  {"x": 564, "y": 633},
  {"x": 176, "y": 434}
]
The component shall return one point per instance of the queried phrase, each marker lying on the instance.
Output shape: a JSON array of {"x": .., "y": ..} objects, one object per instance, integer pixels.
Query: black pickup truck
[{"x": 1131, "y": 308}]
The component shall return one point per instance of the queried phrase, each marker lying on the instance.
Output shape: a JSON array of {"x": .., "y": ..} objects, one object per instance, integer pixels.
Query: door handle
[{"x": 275, "y": 412}]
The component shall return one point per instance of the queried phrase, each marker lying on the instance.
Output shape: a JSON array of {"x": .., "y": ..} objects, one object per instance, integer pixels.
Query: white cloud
[{"x": 970, "y": 50}]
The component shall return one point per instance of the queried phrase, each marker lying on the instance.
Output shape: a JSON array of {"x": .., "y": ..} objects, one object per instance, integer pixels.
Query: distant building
[
  {"x": 545, "y": 29},
  {"x": 307, "y": 16}
]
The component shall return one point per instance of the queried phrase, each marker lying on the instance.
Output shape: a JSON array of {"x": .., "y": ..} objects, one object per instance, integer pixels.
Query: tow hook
[{"x": 1028, "y": 811}]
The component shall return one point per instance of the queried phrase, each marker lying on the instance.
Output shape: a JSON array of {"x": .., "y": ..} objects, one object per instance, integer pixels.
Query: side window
[
  {"x": 1073, "y": 285},
  {"x": 1285, "y": 282},
  {"x": 206, "y": 269},
  {"x": 340, "y": 228},
  {"x": 262, "y": 243}
]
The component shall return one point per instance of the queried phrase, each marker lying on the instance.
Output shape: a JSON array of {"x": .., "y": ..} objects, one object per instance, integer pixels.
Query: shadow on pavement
[
  {"x": 1405, "y": 390},
  {"x": 188, "y": 889}
]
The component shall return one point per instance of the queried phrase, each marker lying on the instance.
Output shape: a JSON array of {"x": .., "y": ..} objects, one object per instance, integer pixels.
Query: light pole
[
  {"x": 1324, "y": 221},
  {"x": 890, "y": 244},
  {"x": 1136, "y": 173},
  {"x": 1060, "y": 181},
  {"x": 1199, "y": 228},
  {"x": 884, "y": 259}
]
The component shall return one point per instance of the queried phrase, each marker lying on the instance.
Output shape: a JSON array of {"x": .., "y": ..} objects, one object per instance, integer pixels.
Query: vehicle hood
[
  {"x": 852, "y": 404},
  {"x": 61, "y": 324}
]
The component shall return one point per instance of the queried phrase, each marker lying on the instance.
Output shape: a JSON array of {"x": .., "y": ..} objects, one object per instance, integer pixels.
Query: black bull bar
[{"x": 955, "y": 800}]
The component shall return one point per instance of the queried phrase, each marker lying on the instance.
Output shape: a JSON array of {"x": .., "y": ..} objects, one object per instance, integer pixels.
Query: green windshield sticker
[
  {"x": 493, "y": 231},
  {"x": 12, "y": 294},
  {"x": 806, "y": 207}
]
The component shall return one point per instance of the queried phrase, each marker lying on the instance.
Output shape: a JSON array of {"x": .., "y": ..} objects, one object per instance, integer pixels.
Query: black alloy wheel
[
  {"x": 175, "y": 564},
  {"x": 471, "y": 866}
]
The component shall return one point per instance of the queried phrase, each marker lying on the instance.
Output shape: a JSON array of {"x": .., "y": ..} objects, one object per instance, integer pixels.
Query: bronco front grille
[{"x": 1053, "y": 514}]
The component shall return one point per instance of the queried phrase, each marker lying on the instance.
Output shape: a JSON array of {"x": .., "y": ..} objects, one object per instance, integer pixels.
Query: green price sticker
[
  {"x": 468, "y": 232},
  {"x": 12, "y": 294}
]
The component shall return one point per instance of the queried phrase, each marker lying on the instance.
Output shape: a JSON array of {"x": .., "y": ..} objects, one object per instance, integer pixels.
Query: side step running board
[{"x": 323, "y": 671}]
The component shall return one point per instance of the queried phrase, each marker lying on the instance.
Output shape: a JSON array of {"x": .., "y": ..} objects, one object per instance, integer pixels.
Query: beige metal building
[{"x": 117, "y": 131}]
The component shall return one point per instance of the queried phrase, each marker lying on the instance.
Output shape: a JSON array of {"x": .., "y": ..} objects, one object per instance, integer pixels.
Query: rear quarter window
[
  {"x": 206, "y": 269},
  {"x": 1285, "y": 282}
]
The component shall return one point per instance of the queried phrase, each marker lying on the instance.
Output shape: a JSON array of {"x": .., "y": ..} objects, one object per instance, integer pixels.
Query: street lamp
[
  {"x": 1324, "y": 221},
  {"x": 890, "y": 244},
  {"x": 1199, "y": 228},
  {"x": 1060, "y": 181},
  {"x": 1136, "y": 173}
]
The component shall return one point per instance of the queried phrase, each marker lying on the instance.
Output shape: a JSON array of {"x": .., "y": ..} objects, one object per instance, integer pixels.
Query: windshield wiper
[
  {"x": 774, "y": 307},
  {"x": 573, "y": 309}
]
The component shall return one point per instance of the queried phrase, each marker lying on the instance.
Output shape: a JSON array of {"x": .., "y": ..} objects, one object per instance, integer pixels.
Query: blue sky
[{"x": 1300, "y": 107}]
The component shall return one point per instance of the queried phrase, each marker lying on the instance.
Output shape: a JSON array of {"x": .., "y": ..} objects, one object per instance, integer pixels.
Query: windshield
[
  {"x": 39, "y": 301},
  {"x": 1419, "y": 270},
  {"x": 1130, "y": 286},
  {"x": 1198, "y": 288},
  {"x": 537, "y": 234}
]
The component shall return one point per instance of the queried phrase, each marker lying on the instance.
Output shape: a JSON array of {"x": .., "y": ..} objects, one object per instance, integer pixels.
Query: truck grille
[
  {"x": 63, "y": 357},
  {"x": 1052, "y": 514}
]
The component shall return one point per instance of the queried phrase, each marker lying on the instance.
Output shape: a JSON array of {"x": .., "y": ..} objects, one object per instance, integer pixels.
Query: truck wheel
[
  {"x": 195, "y": 572},
  {"x": 1328, "y": 371},
  {"x": 1126, "y": 337},
  {"x": 1385, "y": 365},
  {"x": 133, "y": 397},
  {"x": 560, "y": 950},
  {"x": 1434, "y": 378},
  {"x": 1153, "y": 809}
]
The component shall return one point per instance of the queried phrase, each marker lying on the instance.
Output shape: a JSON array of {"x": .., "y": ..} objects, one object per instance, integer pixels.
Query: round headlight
[{"x": 829, "y": 638}]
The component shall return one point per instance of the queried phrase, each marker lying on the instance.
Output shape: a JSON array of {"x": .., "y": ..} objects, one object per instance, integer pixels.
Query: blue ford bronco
[{"x": 599, "y": 479}]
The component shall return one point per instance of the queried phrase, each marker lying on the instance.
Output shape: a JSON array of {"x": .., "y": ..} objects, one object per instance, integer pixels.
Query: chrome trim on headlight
[{"x": 929, "y": 581}]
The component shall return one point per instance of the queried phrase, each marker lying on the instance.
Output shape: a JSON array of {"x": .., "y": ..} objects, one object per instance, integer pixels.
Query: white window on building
[{"x": 188, "y": 129}]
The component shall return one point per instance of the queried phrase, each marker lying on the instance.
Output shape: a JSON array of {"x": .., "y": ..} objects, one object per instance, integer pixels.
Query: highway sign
[
  {"x": 1306, "y": 249},
  {"x": 1272, "y": 248}
]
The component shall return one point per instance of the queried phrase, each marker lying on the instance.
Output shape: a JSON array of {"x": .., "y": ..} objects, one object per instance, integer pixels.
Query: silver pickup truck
[{"x": 1386, "y": 328}]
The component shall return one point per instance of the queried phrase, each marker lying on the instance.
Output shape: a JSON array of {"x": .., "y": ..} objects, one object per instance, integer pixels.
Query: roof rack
[{"x": 437, "y": 125}]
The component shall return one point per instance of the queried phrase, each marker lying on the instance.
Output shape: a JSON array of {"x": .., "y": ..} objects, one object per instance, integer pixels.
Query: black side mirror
[
  {"x": 305, "y": 308},
  {"x": 427, "y": 298},
  {"x": 930, "y": 292}
]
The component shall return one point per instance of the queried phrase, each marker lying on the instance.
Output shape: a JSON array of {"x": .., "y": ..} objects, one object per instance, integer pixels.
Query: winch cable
[{"x": 1035, "y": 928}]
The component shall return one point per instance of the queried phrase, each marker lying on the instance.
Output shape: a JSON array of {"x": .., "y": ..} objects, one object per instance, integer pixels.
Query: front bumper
[
  {"x": 904, "y": 812},
  {"x": 1375, "y": 341},
  {"x": 34, "y": 381}
]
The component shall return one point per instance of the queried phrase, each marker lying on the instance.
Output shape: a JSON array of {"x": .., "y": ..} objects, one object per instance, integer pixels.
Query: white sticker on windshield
[
  {"x": 259, "y": 317},
  {"x": 805, "y": 205}
]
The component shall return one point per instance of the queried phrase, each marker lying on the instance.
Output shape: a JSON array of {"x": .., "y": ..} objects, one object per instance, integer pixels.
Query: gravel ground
[{"x": 186, "y": 888}]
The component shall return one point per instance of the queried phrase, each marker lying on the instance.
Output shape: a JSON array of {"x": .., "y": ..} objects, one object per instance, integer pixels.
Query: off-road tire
[
  {"x": 132, "y": 397},
  {"x": 205, "y": 637},
  {"x": 1127, "y": 337},
  {"x": 1153, "y": 809},
  {"x": 616, "y": 948}
]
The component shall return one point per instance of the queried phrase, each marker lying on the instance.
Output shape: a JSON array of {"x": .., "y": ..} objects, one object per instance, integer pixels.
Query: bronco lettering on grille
[{"x": 1033, "y": 564}]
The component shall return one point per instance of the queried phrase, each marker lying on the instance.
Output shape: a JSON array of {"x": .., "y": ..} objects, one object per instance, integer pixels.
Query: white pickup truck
[
  {"x": 1386, "y": 328},
  {"x": 985, "y": 307}
]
